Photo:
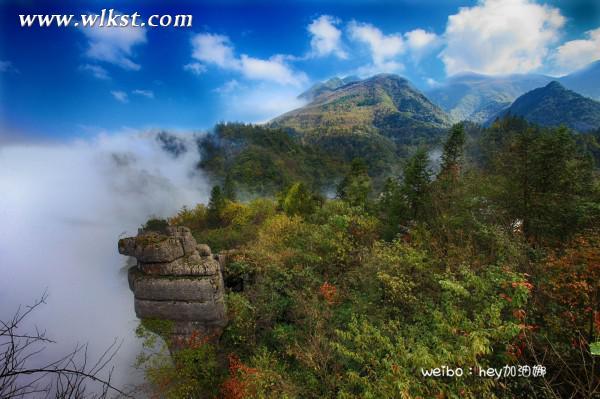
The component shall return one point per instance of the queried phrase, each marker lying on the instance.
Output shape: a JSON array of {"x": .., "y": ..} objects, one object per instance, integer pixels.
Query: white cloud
[
  {"x": 114, "y": 45},
  {"x": 432, "y": 82},
  {"x": 120, "y": 96},
  {"x": 500, "y": 37},
  {"x": 228, "y": 87},
  {"x": 273, "y": 69},
  {"x": 214, "y": 49},
  {"x": 259, "y": 102},
  {"x": 385, "y": 67},
  {"x": 195, "y": 67},
  {"x": 382, "y": 47},
  {"x": 576, "y": 54},
  {"x": 95, "y": 70},
  {"x": 218, "y": 50},
  {"x": 326, "y": 37},
  {"x": 421, "y": 42},
  {"x": 144, "y": 93},
  {"x": 418, "y": 39}
]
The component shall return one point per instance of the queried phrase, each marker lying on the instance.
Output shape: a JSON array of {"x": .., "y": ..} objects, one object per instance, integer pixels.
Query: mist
[
  {"x": 435, "y": 160},
  {"x": 63, "y": 208}
]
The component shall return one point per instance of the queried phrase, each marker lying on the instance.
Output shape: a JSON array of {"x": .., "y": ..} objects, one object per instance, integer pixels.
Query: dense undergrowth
[{"x": 490, "y": 259}]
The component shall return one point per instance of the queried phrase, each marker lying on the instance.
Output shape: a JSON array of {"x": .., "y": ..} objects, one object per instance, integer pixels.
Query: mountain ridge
[
  {"x": 328, "y": 86},
  {"x": 585, "y": 81},
  {"x": 383, "y": 104},
  {"x": 554, "y": 105},
  {"x": 478, "y": 97}
]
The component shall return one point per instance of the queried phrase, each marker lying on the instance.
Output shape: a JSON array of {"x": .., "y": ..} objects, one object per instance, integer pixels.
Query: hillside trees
[
  {"x": 257, "y": 160},
  {"x": 356, "y": 186},
  {"x": 416, "y": 181},
  {"x": 452, "y": 155},
  {"x": 216, "y": 204},
  {"x": 299, "y": 200},
  {"x": 544, "y": 180},
  {"x": 406, "y": 200},
  {"x": 492, "y": 262}
]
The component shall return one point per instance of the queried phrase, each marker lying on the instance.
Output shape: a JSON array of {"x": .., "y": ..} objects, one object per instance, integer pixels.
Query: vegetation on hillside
[
  {"x": 490, "y": 259},
  {"x": 554, "y": 105},
  {"x": 380, "y": 119},
  {"x": 262, "y": 161}
]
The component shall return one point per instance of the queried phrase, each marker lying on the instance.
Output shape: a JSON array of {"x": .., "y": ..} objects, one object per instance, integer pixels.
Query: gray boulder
[
  {"x": 187, "y": 289},
  {"x": 176, "y": 279},
  {"x": 193, "y": 265},
  {"x": 213, "y": 311},
  {"x": 152, "y": 248}
]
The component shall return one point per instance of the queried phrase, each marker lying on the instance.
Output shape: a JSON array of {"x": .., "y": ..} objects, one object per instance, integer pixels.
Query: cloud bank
[
  {"x": 384, "y": 49},
  {"x": 494, "y": 37},
  {"x": 326, "y": 38},
  {"x": 500, "y": 37},
  {"x": 114, "y": 45},
  {"x": 63, "y": 207},
  {"x": 213, "y": 49},
  {"x": 576, "y": 54}
]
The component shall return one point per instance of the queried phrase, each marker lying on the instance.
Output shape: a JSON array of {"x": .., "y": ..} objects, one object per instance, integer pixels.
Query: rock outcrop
[{"x": 176, "y": 279}]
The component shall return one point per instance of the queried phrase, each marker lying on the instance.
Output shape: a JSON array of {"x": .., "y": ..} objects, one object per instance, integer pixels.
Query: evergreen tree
[
  {"x": 544, "y": 182},
  {"x": 415, "y": 185},
  {"x": 299, "y": 200},
  {"x": 356, "y": 185},
  {"x": 453, "y": 152},
  {"x": 392, "y": 208},
  {"x": 229, "y": 188},
  {"x": 215, "y": 206}
]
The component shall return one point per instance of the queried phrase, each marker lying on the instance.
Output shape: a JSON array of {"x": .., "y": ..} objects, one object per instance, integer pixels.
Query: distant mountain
[
  {"x": 585, "y": 81},
  {"x": 554, "y": 105},
  {"x": 326, "y": 87},
  {"x": 477, "y": 97},
  {"x": 383, "y": 104}
]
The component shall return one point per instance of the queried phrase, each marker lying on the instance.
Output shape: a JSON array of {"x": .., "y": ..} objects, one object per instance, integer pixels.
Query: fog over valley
[{"x": 63, "y": 207}]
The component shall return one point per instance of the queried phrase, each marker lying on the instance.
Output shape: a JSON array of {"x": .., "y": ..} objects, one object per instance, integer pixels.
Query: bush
[{"x": 156, "y": 225}]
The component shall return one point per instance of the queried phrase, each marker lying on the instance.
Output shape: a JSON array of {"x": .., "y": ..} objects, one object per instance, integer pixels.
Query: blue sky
[{"x": 247, "y": 61}]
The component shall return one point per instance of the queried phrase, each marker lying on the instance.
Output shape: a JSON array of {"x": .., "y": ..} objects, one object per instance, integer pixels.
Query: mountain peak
[
  {"x": 554, "y": 105},
  {"x": 385, "y": 104},
  {"x": 477, "y": 97},
  {"x": 329, "y": 85},
  {"x": 555, "y": 85},
  {"x": 386, "y": 76}
]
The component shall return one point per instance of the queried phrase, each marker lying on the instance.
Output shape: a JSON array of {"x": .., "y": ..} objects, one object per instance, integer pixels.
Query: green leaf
[{"x": 595, "y": 348}]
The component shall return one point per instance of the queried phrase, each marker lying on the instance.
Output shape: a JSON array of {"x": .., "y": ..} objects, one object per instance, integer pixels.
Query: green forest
[{"x": 352, "y": 273}]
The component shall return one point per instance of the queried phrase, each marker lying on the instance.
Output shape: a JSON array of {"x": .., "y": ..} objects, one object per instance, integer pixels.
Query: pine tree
[
  {"x": 299, "y": 200},
  {"x": 543, "y": 180},
  {"x": 215, "y": 206},
  {"x": 356, "y": 185},
  {"x": 392, "y": 209},
  {"x": 229, "y": 188},
  {"x": 453, "y": 152},
  {"x": 415, "y": 185}
]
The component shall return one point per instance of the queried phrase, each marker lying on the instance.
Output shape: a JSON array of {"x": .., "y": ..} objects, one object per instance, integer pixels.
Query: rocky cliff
[{"x": 176, "y": 279}]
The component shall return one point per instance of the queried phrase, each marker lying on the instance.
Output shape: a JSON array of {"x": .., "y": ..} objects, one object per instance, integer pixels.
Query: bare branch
[{"x": 65, "y": 377}]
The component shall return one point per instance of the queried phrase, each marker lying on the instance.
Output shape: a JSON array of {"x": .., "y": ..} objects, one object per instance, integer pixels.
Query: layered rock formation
[{"x": 177, "y": 280}]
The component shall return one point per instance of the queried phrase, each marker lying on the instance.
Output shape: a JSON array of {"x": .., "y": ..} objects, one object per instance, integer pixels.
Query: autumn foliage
[
  {"x": 329, "y": 292},
  {"x": 238, "y": 384}
]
